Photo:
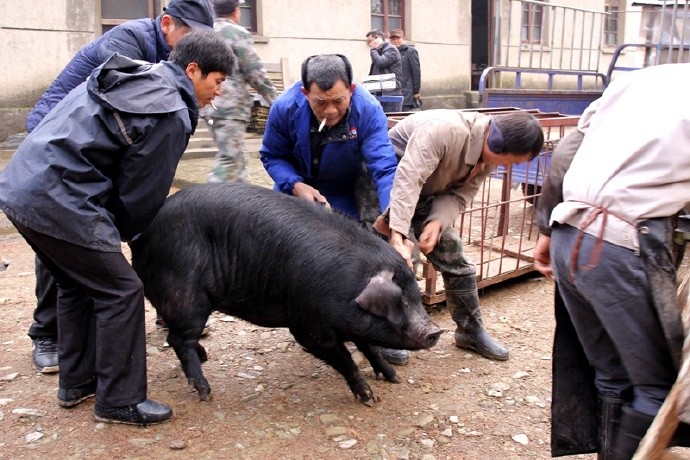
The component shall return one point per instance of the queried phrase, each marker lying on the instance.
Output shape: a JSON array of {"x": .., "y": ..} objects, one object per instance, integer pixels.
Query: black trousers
[
  {"x": 45, "y": 314},
  {"x": 100, "y": 319}
]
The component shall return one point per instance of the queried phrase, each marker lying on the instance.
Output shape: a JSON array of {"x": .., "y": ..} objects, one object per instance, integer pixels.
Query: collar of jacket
[{"x": 162, "y": 48}]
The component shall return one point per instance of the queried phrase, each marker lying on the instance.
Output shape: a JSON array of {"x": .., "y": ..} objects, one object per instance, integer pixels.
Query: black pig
[{"x": 278, "y": 261}]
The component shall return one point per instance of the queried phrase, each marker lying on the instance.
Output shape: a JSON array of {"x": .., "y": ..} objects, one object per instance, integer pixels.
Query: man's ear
[
  {"x": 305, "y": 91},
  {"x": 352, "y": 87},
  {"x": 192, "y": 69},
  {"x": 166, "y": 22}
]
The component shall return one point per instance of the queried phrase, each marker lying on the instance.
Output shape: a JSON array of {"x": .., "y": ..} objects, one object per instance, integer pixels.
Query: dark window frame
[
  {"x": 613, "y": 23},
  {"x": 106, "y": 24},
  {"x": 249, "y": 11},
  {"x": 532, "y": 22},
  {"x": 385, "y": 15}
]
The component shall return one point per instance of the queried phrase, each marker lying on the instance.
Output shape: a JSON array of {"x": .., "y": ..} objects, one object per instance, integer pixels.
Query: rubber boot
[
  {"x": 631, "y": 430},
  {"x": 609, "y": 419},
  {"x": 462, "y": 301}
]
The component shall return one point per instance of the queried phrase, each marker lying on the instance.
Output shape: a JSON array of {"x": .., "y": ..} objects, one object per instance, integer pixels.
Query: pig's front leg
[
  {"x": 380, "y": 365},
  {"x": 190, "y": 354},
  {"x": 340, "y": 359}
]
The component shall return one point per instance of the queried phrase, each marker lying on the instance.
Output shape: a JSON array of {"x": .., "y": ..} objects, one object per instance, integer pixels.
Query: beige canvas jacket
[
  {"x": 438, "y": 150},
  {"x": 634, "y": 161}
]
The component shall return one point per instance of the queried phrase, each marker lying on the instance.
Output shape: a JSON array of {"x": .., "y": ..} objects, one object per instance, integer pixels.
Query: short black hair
[
  {"x": 519, "y": 133},
  {"x": 179, "y": 23},
  {"x": 325, "y": 70},
  {"x": 207, "y": 49},
  {"x": 376, "y": 33}
]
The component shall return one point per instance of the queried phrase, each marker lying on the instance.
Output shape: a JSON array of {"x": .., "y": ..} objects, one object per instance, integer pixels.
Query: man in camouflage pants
[
  {"x": 228, "y": 121},
  {"x": 445, "y": 155}
]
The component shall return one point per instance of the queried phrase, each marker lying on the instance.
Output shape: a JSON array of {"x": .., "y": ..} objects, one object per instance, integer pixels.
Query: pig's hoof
[
  {"x": 204, "y": 393},
  {"x": 364, "y": 394},
  {"x": 388, "y": 376},
  {"x": 367, "y": 398}
]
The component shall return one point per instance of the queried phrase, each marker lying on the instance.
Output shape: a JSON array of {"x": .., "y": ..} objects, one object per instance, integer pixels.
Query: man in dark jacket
[
  {"x": 385, "y": 58},
  {"x": 94, "y": 173},
  {"x": 143, "y": 39},
  {"x": 411, "y": 70}
]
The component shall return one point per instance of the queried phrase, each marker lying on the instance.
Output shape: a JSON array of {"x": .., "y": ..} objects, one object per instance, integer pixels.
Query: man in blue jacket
[
  {"x": 92, "y": 174},
  {"x": 322, "y": 135},
  {"x": 318, "y": 133},
  {"x": 144, "y": 39}
]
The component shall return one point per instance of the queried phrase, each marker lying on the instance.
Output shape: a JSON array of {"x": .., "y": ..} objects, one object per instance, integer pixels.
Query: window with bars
[
  {"x": 612, "y": 22},
  {"x": 532, "y": 23},
  {"x": 387, "y": 14},
  {"x": 248, "y": 15},
  {"x": 115, "y": 12}
]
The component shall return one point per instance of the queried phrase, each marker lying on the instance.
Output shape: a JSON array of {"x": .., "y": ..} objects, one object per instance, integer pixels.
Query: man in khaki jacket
[{"x": 445, "y": 156}]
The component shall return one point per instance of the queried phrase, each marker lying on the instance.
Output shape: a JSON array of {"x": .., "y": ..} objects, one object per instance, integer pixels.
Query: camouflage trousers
[
  {"x": 447, "y": 257},
  {"x": 232, "y": 159}
]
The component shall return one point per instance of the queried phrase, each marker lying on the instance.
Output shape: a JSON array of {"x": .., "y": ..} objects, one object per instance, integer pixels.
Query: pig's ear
[{"x": 382, "y": 297}]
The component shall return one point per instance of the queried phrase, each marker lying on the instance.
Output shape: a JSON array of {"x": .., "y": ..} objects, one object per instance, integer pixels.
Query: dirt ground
[{"x": 272, "y": 400}]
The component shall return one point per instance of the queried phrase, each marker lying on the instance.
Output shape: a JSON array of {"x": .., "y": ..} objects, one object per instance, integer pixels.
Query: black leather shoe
[
  {"x": 70, "y": 397},
  {"x": 145, "y": 413},
  {"x": 396, "y": 357},
  {"x": 45, "y": 356}
]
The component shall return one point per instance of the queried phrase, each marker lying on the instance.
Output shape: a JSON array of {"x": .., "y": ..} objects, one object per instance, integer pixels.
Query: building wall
[
  {"x": 296, "y": 29},
  {"x": 39, "y": 41}
]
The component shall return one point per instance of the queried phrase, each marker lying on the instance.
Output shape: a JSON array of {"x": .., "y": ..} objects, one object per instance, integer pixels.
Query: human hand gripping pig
[{"x": 309, "y": 193}]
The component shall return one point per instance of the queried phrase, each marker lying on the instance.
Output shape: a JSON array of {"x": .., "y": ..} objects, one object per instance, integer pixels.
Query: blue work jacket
[
  {"x": 141, "y": 39},
  {"x": 287, "y": 155}
]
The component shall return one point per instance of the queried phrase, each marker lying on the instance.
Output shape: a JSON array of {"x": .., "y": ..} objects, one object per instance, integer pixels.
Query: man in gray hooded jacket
[{"x": 94, "y": 173}]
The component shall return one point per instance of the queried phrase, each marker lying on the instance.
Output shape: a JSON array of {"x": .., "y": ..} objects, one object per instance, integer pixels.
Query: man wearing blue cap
[
  {"x": 445, "y": 157},
  {"x": 148, "y": 40}
]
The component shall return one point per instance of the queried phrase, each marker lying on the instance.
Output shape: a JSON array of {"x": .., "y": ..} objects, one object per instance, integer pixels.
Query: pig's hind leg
[
  {"x": 340, "y": 359},
  {"x": 378, "y": 363},
  {"x": 191, "y": 354}
]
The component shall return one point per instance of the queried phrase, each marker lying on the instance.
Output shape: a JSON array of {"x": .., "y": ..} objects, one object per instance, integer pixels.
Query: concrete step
[
  {"x": 199, "y": 152},
  {"x": 201, "y": 143}
]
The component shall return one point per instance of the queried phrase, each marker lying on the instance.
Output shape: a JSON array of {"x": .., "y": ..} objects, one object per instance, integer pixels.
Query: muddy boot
[
  {"x": 609, "y": 415},
  {"x": 632, "y": 428},
  {"x": 462, "y": 301}
]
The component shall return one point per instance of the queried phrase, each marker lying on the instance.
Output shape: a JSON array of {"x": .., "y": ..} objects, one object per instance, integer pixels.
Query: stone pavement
[{"x": 192, "y": 169}]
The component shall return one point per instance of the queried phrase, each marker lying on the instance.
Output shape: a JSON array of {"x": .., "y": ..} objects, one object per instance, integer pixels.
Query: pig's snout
[
  {"x": 431, "y": 338},
  {"x": 427, "y": 336}
]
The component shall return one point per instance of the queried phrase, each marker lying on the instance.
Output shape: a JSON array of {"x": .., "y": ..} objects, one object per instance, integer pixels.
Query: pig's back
[{"x": 249, "y": 247}]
